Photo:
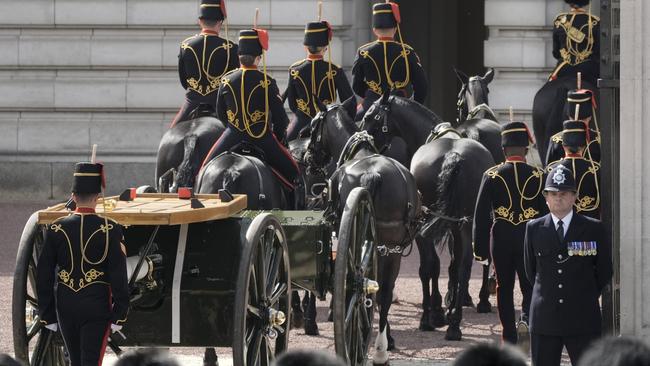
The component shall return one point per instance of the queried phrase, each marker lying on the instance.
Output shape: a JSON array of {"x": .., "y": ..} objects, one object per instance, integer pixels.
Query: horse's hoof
[
  {"x": 330, "y": 316},
  {"x": 523, "y": 337},
  {"x": 425, "y": 326},
  {"x": 297, "y": 320},
  {"x": 438, "y": 318},
  {"x": 453, "y": 334},
  {"x": 484, "y": 307},
  {"x": 467, "y": 302},
  {"x": 311, "y": 328}
]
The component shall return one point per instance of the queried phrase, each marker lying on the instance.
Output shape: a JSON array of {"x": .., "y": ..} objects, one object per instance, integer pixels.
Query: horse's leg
[
  {"x": 484, "y": 305},
  {"x": 466, "y": 272},
  {"x": 311, "y": 327},
  {"x": 437, "y": 317},
  {"x": 458, "y": 284},
  {"x": 388, "y": 269},
  {"x": 297, "y": 316},
  {"x": 426, "y": 275}
]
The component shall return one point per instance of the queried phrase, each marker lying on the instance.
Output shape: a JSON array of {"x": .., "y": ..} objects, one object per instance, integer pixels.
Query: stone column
[{"x": 635, "y": 168}]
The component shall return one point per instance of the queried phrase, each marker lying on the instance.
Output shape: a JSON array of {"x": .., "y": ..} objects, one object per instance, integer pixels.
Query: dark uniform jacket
[
  {"x": 83, "y": 254},
  {"x": 381, "y": 66},
  {"x": 510, "y": 195},
  {"x": 203, "y": 60},
  {"x": 555, "y": 150},
  {"x": 572, "y": 47},
  {"x": 587, "y": 177},
  {"x": 245, "y": 109},
  {"x": 566, "y": 287},
  {"x": 310, "y": 77}
]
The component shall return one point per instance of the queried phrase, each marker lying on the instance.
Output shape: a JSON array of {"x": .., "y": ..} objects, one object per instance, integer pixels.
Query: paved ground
[{"x": 413, "y": 345}]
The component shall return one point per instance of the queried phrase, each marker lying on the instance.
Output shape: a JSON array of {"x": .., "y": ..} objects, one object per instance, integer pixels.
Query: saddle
[{"x": 444, "y": 130}]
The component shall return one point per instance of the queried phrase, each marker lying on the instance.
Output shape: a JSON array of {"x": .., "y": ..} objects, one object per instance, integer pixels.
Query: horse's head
[
  {"x": 377, "y": 123},
  {"x": 473, "y": 92},
  {"x": 329, "y": 129}
]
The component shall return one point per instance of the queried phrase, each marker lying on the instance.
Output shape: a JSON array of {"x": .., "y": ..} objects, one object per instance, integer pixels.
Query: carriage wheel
[
  {"x": 355, "y": 275},
  {"x": 29, "y": 334},
  {"x": 263, "y": 294}
]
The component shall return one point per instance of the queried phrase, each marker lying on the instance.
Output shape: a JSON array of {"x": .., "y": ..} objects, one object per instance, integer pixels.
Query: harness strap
[
  {"x": 352, "y": 146},
  {"x": 481, "y": 107}
]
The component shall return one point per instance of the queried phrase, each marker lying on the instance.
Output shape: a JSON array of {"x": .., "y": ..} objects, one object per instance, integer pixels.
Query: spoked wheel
[
  {"x": 29, "y": 334},
  {"x": 355, "y": 276},
  {"x": 263, "y": 294}
]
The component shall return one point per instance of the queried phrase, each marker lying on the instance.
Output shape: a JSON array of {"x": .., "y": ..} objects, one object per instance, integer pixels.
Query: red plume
[
  {"x": 396, "y": 14},
  {"x": 223, "y": 8},
  {"x": 263, "y": 36}
]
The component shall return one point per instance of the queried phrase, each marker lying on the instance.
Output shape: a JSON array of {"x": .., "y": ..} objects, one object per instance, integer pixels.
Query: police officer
[
  {"x": 248, "y": 99},
  {"x": 576, "y": 45},
  {"x": 204, "y": 59},
  {"x": 81, "y": 278},
  {"x": 583, "y": 101},
  {"x": 583, "y": 171},
  {"x": 510, "y": 195},
  {"x": 314, "y": 77},
  {"x": 385, "y": 65},
  {"x": 568, "y": 258}
]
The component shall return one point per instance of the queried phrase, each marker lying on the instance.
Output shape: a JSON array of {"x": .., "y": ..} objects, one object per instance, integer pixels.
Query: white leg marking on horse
[{"x": 381, "y": 348}]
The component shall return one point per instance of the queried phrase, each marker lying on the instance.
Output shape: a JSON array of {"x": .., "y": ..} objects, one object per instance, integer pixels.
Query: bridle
[{"x": 381, "y": 117}]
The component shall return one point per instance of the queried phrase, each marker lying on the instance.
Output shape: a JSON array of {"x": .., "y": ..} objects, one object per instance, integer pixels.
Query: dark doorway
[{"x": 445, "y": 34}]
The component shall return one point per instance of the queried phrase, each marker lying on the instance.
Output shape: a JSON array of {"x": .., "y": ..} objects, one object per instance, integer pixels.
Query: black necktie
[{"x": 560, "y": 230}]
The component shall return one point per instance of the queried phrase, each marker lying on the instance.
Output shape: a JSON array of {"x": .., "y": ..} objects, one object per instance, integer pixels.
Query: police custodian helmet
[
  {"x": 515, "y": 134},
  {"x": 212, "y": 10},
  {"x": 560, "y": 179},
  {"x": 317, "y": 34},
  {"x": 88, "y": 178}
]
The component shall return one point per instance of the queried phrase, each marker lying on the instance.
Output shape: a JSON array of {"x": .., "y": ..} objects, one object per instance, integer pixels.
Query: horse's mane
[{"x": 416, "y": 107}]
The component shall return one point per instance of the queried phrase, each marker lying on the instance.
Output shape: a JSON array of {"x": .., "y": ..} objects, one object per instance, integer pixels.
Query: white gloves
[
  {"x": 115, "y": 328},
  {"x": 53, "y": 327}
]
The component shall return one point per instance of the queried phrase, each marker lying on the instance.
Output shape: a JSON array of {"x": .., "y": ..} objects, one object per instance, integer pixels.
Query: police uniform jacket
[
  {"x": 566, "y": 283},
  {"x": 510, "y": 195},
  {"x": 587, "y": 177},
  {"x": 381, "y": 66},
  {"x": 555, "y": 150},
  {"x": 575, "y": 46},
  {"x": 83, "y": 254},
  {"x": 203, "y": 60},
  {"x": 310, "y": 77},
  {"x": 242, "y": 101}
]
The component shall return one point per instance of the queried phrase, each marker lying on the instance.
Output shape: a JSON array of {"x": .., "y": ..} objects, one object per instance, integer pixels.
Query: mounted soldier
[
  {"x": 84, "y": 258},
  {"x": 509, "y": 197},
  {"x": 314, "y": 78},
  {"x": 585, "y": 172},
  {"x": 249, "y": 100},
  {"x": 386, "y": 65},
  {"x": 584, "y": 100},
  {"x": 204, "y": 59},
  {"x": 576, "y": 45}
]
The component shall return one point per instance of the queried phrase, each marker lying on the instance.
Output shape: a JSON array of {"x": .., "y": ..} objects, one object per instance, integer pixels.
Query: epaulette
[{"x": 557, "y": 138}]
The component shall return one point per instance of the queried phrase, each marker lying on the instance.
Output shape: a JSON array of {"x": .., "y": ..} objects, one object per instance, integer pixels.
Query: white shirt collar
[{"x": 566, "y": 221}]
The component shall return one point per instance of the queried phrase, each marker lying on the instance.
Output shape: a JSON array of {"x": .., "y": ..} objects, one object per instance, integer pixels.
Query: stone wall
[{"x": 78, "y": 72}]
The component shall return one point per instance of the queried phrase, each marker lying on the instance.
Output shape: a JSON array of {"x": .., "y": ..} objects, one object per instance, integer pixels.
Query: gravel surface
[{"x": 412, "y": 344}]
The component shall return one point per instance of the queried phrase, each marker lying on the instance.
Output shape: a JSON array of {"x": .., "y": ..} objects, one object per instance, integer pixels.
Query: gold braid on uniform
[
  {"x": 507, "y": 213},
  {"x": 584, "y": 203}
]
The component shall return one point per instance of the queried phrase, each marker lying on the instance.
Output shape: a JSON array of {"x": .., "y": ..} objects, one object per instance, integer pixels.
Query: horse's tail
[
  {"x": 230, "y": 176},
  {"x": 187, "y": 168},
  {"x": 447, "y": 192},
  {"x": 370, "y": 181}
]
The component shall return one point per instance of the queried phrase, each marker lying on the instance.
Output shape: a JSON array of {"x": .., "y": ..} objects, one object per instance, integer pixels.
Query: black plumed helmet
[{"x": 579, "y": 3}]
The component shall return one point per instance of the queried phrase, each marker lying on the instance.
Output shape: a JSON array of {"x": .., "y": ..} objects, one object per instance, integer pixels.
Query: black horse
[
  {"x": 475, "y": 118},
  {"x": 549, "y": 110},
  {"x": 183, "y": 148},
  {"x": 448, "y": 173},
  {"x": 395, "y": 198}
]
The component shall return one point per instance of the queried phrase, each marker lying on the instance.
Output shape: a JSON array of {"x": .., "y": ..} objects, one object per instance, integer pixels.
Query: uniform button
[
  {"x": 559, "y": 256},
  {"x": 559, "y": 286},
  {"x": 559, "y": 271},
  {"x": 561, "y": 301}
]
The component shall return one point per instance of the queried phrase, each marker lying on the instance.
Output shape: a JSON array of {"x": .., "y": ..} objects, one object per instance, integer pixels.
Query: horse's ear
[
  {"x": 461, "y": 76},
  {"x": 350, "y": 106},
  {"x": 319, "y": 104},
  {"x": 384, "y": 97},
  {"x": 489, "y": 75}
]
